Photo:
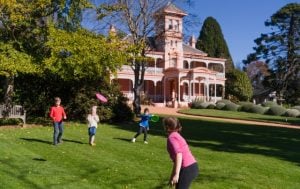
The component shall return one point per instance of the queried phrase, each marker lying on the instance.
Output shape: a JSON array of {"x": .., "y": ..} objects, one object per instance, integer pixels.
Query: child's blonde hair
[{"x": 172, "y": 124}]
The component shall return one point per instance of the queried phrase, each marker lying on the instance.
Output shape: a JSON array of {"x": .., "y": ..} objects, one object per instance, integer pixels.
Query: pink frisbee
[{"x": 101, "y": 97}]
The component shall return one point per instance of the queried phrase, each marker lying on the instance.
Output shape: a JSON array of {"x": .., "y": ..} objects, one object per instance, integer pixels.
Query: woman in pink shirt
[{"x": 185, "y": 167}]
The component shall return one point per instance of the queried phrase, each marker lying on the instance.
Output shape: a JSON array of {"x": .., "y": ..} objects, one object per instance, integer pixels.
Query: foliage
[
  {"x": 196, "y": 103},
  {"x": 75, "y": 55},
  {"x": 277, "y": 110},
  {"x": 232, "y": 107},
  {"x": 225, "y": 101},
  {"x": 211, "y": 41},
  {"x": 296, "y": 107},
  {"x": 246, "y": 106},
  {"x": 10, "y": 121},
  {"x": 238, "y": 85},
  {"x": 280, "y": 50},
  {"x": 259, "y": 109},
  {"x": 69, "y": 13},
  {"x": 269, "y": 104},
  {"x": 36, "y": 93},
  {"x": 211, "y": 106},
  {"x": 292, "y": 113},
  {"x": 220, "y": 105}
]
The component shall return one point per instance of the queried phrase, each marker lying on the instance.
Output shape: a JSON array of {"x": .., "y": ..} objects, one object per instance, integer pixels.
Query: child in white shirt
[{"x": 93, "y": 120}]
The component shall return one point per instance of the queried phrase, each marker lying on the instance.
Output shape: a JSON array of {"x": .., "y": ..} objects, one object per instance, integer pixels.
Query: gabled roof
[
  {"x": 191, "y": 50},
  {"x": 171, "y": 8}
]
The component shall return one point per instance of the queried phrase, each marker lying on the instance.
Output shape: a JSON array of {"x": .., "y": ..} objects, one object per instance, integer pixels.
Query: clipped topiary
[
  {"x": 220, "y": 105},
  {"x": 211, "y": 106},
  {"x": 232, "y": 107},
  {"x": 246, "y": 106},
  {"x": 292, "y": 113},
  {"x": 205, "y": 104},
  {"x": 196, "y": 104},
  {"x": 296, "y": 107},
  {"x": 277, "y": 110},
  {"x": 258, "y": 109},
  {"x": 269, "y": 104},
  {"x": 224, "y": 101}
]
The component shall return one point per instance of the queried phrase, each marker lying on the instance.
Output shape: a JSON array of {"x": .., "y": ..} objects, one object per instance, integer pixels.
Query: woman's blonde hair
[{"x": 172, "y": 124}]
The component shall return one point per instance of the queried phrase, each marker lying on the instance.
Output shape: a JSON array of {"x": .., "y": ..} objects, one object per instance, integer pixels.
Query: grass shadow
[
  {"x": 73, "y": 141},
  {"x": 123, "y": 139},
  {"x": 36, "y": 140},
  {"x": 281, "y": 143}
]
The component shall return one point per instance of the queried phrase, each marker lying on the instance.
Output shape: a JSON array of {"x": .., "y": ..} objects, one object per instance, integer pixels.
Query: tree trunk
[{"x": 8, "y": 95}]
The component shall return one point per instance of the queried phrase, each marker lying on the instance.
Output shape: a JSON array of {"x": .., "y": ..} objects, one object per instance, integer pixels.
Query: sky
[{"x": 241, "y": 21}]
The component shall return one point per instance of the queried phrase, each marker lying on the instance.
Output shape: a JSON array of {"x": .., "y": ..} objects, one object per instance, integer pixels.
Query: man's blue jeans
[{"x": 58, "y": 131}]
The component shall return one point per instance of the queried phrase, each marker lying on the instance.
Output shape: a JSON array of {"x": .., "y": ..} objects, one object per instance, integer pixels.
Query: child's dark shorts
[{"x": 92, "y": 131}]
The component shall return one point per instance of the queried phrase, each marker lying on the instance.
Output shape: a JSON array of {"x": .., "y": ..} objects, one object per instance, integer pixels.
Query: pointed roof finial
[{"x": 112, "y": 30}]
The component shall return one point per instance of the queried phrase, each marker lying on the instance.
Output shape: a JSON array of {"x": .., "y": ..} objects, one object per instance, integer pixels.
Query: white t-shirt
[{"x": 93, "y": 120}]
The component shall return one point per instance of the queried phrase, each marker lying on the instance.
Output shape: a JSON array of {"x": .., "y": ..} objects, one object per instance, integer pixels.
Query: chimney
[{"x": 193, "y": 41}]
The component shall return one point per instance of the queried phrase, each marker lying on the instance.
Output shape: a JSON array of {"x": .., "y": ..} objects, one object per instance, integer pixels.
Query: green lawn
[
  {"x": 229, "y": 155},
  {"x": 242, "y": 115}
]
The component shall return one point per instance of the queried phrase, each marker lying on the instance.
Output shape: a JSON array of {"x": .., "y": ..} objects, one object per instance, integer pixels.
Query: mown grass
[
  {"x": 243, "y": 116},
  {"x": 229, "y": 156}
]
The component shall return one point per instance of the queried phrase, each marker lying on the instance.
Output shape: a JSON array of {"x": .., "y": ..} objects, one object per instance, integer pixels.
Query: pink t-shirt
[{"x": 177, "y": 144}]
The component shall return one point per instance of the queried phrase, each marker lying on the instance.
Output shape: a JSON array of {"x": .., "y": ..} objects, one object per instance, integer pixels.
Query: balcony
[{"x": 149, "y": 70}]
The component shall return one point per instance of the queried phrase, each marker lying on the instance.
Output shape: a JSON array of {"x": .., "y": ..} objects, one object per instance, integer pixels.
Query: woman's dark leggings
[
  {"x": 187, "y": 175},
  {"x": 142, "y": 129}
]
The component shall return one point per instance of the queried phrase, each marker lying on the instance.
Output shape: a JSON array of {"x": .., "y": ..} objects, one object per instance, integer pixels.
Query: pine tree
[
  {"x": 280, "y": 49},
  {"x": 211, "y": 41}
]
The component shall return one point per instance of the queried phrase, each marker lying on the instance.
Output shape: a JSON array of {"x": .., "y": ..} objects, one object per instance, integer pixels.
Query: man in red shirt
[{"x": 57, "y": 114}]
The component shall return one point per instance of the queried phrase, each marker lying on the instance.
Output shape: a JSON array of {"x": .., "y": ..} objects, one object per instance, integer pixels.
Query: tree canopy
[
  {"x": 238, "y": 86},
  {"x": 280, "y": 49},
  {"x": 211, "y": 41}
]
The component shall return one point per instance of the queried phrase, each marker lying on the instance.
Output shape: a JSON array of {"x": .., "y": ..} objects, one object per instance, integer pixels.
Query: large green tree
[
  {"x": 137, "y": 18},
  {"x": 18, "y": 41},
  {"x": 211, "y": 41},
  {"x": 280, "y": 49},
  {"x": 238, "y": 86}
]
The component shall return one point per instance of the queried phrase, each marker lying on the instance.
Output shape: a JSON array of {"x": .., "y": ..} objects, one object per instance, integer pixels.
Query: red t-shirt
[{"x": 57, "y": 113}]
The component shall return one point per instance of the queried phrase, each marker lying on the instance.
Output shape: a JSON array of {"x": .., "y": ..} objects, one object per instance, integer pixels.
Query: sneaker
[
  {"x": 93, "y": 144},
  {"x": 133, "y": 140},
  {"x": 145, "y": 142}
]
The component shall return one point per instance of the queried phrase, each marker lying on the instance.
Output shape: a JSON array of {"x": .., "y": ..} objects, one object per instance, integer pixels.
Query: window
[
  {"x": 177, "y": 25},
  {"x": 170, "y": 24},
  {"x": 185, "y": 65}
]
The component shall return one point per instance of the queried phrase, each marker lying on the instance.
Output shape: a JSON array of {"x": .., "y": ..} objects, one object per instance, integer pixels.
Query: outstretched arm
[{"x": 176, "y": 169}]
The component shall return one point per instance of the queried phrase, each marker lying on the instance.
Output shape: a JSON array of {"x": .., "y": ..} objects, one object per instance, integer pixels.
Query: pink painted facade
[{"x": 179, "y": 73}]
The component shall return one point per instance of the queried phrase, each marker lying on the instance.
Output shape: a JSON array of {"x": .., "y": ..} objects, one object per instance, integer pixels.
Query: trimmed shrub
[
  {"x": 258, "y": 109},
  {"x": 292, "y": 113},
  {"x": 205, "y": 104},
  {"x": 220, "y": 105},
  {"x": 296, "y": 107},
  {"x": 246, "y": 106},
  {"x": 269, "y": 104},
  {"x": 10, "y": 121},
  {"x": 277, "y": 110},
  {"x": 225, "y": 101},
  {"x": 232, "y": 107},
  {"x": 196, "y": 104},
  {"x": 211, "y": 106}
]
